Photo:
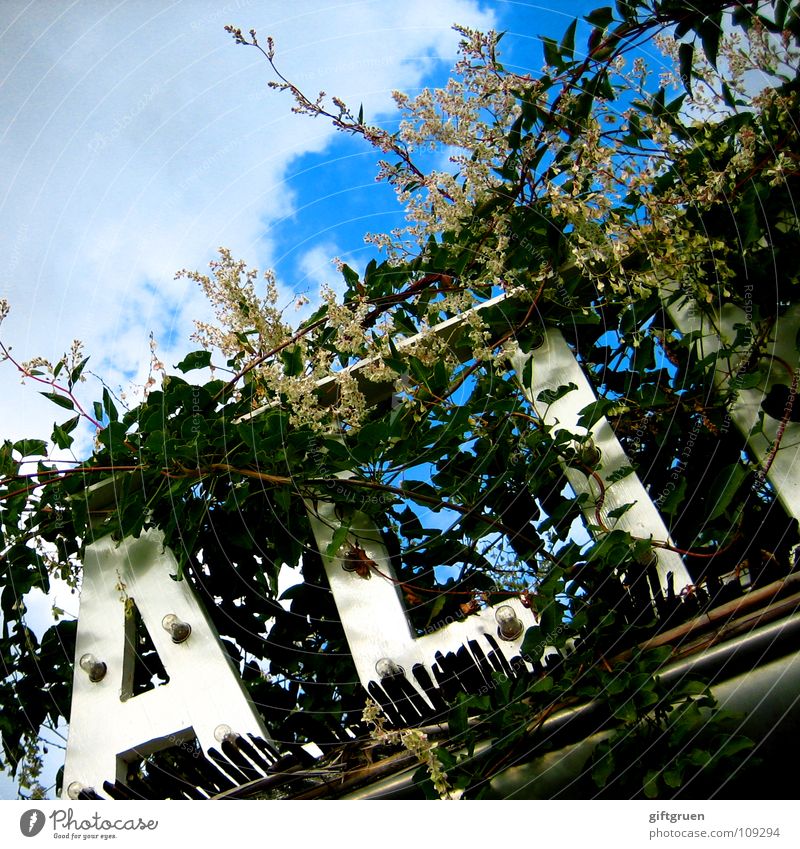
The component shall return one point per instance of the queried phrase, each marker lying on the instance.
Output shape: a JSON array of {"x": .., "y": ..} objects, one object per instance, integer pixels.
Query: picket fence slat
[
  {"x": 712, "y": 329},
  {"x": 109, "y": 726},
  {"x": 554, "y": 366}
]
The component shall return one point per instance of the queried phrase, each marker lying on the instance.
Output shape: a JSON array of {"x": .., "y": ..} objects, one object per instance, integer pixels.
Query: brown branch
[
  {"x": 51, "y": 383},
  {"x": 295, "y": 337}
]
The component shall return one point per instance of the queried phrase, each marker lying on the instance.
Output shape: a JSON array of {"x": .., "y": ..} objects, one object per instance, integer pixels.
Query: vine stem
[
  {"x": 655, "y": 543},
  {"x": 295, "y": 337},
  {"x": 382, "y": 304},
  {"x": 51, "y": 383},
  {"x": 776, "y": 443},
  {"x": 63, "y": 473}
]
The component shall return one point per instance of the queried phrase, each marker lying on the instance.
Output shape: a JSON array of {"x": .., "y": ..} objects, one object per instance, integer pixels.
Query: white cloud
[
  {"x": 139, "y": 138},
  {"x": 318, "y": 270}
]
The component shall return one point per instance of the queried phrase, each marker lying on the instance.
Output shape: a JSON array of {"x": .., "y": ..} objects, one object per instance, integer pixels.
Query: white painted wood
[
  {"x": 373, "y": 612},
  {"x": 449, "y": 332},
  {"x": 204, "y": 690},
  {"x": 554, "y": 365},
  {"x": 718, "y": 327}
]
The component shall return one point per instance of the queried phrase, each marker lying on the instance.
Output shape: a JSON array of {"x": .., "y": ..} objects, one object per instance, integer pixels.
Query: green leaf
[
  {"x": 420, "y": 488},
  {"x": 155, "y": 443},
  {"x": 71, "y": 424},
  {"x": 675, "y": 499},
  {"x": 621, "y": 473},
  {"x": 59, "y": 400},
  {"x": 552, "y": 56},
  {"x": 626, "y": 712},
  {"x": 601, "y": 17},
  {"x": 699, "y": 757},
  {"x": 568, "y": 41},
  {"x": 727, "y": 95},
  {"x": 533, "y": 645},
  {"x": 31, "y": 447},
  {"x": 195, "y": 360},
  {"x": 626, "y": 10},
  {"x": 292, "y": 359},
  {"x": 514, "y": 139},
  {"x": 527, "y": 372},
  {"x": 75, "y": 374},
  {"x": 693, "y": 688},
  {"x": 725, "y": 487},
  {"x": 436, "y": 608},
  {"x": 108, "y": 406},
  {"x": 549, "y": 396},
  {"x": 457, "y": 717},
  {"x": 113, "y": 437},
  {"x": 338, "y": 539},
  {"x": 543, "y": 685},
  {"x": 550, "y": 620},
  {"x": 651, "y": 783},
  {"x": 735, "y": 746},
  {"x": 749, "y": 380},
  {"x": 781, "y": 8},
  {"x": 60, "y": 437},
  {"x": 592, "y": 413},
  {"x": 747, "y": 217},
  {"x": 603, "y": 766},
  {"x": 410, "y": 525},
  {"x": 350, "y": 276},
  {"x": 620, "y": 511},
  {"x": 710, "y": 34}
]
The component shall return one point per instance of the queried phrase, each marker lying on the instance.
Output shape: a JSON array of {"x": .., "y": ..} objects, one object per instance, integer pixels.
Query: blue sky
[{"x": 137, "y": 138}]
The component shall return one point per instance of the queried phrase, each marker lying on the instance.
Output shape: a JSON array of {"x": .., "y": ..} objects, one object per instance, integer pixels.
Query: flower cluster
[
  {"x": 247, "y": 322},
  {"x": 414, "y": 741}
]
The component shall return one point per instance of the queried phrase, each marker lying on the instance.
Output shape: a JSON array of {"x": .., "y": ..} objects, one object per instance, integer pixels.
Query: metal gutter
[{"x": 756, "y": 674}]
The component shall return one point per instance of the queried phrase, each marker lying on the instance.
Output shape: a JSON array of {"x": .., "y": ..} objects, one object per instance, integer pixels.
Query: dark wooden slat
[
  {"x": 432, "y": 691},
  {"x": 207, "y": 777},
  {"x": 518, "y": 665},
  {"x": 192, "y": 792},
  {"x": 405, "y": 707},
  {"x": 270, "y": 751},
  {"x": 480, "y": 658},
  {"x": 552, "y": 661},
  {"x": 449, "y": 665},
  {"x": 376, "y": 691},
  {"x": 445, "y": 679},
  {"x": 89, "y": 793},
  {"x": 297, "y": 756},
  {"x": 235, "y": 756},
  {"x": 139, "y": 787},
  {"x": 455, "y": 667},
  {"x": 161, "y": 784},
  {"x": 469, "y": 672},
  {"x": 500, "y": 657},
  {"x": 423, "y": 708},
  {"x": 498, "y": 667},
  {"x": 247, "y": 748},
  {"x": 224, "y": 765},
  {"x": 120, "y": 792}
]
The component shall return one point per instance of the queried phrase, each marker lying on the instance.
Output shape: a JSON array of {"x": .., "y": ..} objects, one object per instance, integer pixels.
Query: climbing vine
[{"x": 591, "y": 195}]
